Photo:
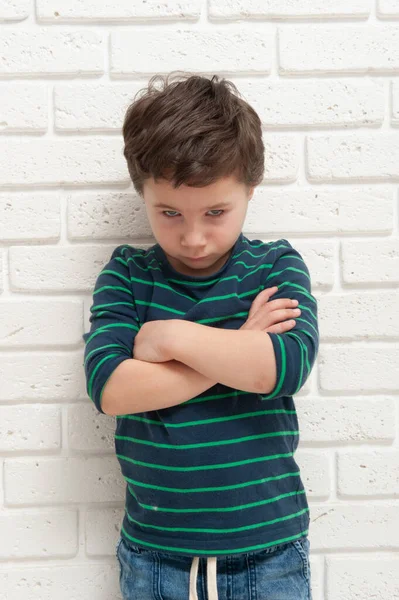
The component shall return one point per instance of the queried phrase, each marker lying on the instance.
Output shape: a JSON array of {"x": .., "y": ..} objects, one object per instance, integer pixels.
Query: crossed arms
[
  {"x": 185, "y": 359},
  {"x": 134, "y": 367}
]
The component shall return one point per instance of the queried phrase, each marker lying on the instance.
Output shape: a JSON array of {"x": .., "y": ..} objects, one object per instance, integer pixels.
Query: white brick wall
[{"x": 323, "y": 77}]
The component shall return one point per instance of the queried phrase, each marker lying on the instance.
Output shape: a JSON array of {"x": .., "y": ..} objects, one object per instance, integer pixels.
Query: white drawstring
[
  {"x": 193, "y": 578},
  {"x": 210, "y": 575}
]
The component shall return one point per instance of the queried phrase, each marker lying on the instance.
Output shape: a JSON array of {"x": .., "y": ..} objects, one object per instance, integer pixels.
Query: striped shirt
[{"x": 216, "y": 474}]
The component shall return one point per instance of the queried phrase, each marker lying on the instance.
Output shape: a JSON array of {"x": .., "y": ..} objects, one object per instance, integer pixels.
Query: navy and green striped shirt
[{"x": 216, "y": 474}]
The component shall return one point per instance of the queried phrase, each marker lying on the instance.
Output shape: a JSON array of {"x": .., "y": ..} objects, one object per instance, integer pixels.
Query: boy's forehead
[{"x": 160, "y": 192}]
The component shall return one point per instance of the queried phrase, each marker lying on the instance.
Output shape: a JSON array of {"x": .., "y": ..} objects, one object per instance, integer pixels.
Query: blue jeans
[{"x": 276, "y": 573}]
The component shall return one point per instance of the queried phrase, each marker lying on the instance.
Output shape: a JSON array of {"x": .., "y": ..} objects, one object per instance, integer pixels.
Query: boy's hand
[
  {"x": 150, "y": 344},
  {"x": 271, "y": 316}
]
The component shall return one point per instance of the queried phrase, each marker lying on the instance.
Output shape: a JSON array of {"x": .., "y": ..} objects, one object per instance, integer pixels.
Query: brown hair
[{"x": 192, "y": 132}]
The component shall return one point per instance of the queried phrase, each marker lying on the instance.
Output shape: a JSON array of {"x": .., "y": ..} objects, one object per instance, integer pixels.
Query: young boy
[{"x": 195, "y": 351}]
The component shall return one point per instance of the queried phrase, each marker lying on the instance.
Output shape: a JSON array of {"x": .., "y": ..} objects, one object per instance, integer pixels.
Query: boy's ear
[{"x": 251, "y": 193}]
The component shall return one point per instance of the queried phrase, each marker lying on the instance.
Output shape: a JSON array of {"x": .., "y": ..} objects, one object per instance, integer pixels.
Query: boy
[{"x": 198, "y": 366}]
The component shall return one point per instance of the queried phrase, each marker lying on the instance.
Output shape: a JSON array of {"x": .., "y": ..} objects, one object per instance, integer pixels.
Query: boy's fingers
[
  {"x": 266, "y": 293},
  {"x": 262, "y": 297}
]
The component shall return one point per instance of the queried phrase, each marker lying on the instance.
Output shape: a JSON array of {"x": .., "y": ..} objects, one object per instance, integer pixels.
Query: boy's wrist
[{"x": 175, "y": 333}]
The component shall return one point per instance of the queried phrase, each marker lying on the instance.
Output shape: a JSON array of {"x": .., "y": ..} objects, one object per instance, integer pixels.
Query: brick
[
  {"x": 315, "y": 473},
  {"x": 1, "y": 272},
  {"x": 15, "y": 10},
  {"x": 316, "y": 575},
  {"x": 387, "y": 8},
  {"x": 348, "y": 368},
  {"x": 124, "y": 10},
  {"x": 51, "y": 52},
  {"x": 370, "y": 261},
  {"x": 311, "y": 103},
  {"x": 93, "y": 160},
  {"x": 18, "y": 212},
  {"x": 281, "y": 158},
  {"x": 102, "y": 530},
  {"x": 36, "y": 323},
  {"x": 395, "y": 102},
  {"x": 286, "y": 8},
  {"x": 367, "y": 315},
  {"x": 93, "y": 107},
  {"x": 319, "y": 50},
  {"x": 64, "y": 480},
  {"x": 107, "y": 215},
  {"x": 26, "y": 427},
  {"x": 354, "y": 526},
  {"x": 24, "y": 107},
  {"x": 66, "y": 582},
  {"x": 1, "y": 487},
  {"x": 192, "y": 50},
  {"x": 41, "y": 376},
  {"x": 368, "y": 473},
  {"x": 309, "y": 210},
  {"x": 57, "y": 268},
  {"x": 355, "y": 577},
  {"x": 39, "y": 535},
  {"x": 90, "y": 430},
  {"x": 346, "y": 419},
  {"x": 350, "y": 157}
]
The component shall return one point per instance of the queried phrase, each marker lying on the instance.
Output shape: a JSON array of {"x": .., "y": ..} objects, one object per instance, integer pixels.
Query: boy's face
[{"x": 186, "y": 224}]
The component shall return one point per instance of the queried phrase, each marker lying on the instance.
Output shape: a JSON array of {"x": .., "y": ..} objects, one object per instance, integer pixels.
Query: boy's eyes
[{"x": 176, "y": 213}]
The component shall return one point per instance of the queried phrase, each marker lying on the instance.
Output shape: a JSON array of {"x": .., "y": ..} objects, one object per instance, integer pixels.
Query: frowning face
[{"x": 197, "y": 227}]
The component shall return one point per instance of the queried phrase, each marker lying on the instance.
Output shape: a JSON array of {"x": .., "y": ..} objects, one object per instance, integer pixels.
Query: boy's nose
[{"x": 194, "y": 243}]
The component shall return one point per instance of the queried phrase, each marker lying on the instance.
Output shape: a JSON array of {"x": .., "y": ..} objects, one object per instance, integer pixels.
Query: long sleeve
[
  {"x": 114, "y": 325},
  {"x": 296, "y": 350}
]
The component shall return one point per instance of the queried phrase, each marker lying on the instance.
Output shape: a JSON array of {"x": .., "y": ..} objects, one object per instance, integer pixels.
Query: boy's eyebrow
[{"x": 218, "y": 205}]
